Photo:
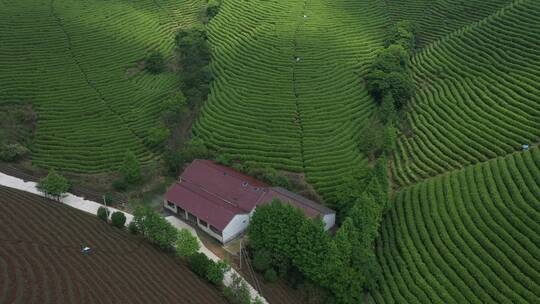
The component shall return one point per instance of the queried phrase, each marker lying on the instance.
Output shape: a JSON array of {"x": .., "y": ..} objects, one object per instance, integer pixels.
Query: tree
[
  {"x": 312, "y": 255},
  {"x": 401, "y": 86},
  {"x": 186, "y": 244},
  {"x": 270, "y": 275},
  {"x": 131, "y": 169},
  {"x": 53, "y": 185},
  {"x": 158, "y": 135},
  {"x": 118, "y": 219},
  {"x": 158, "y": 230},
  {"x": 273, "y": 229},
  {"x": 12, "y": 152},
  {"x": 237, "y": 292},
  {"x": 388, "y": 109},
  {"x": 199, "y": 263},
  {"x": 155, "y": 63},
  {"x": 212, "y": 8},
  {"x": 394, "y": 58},
  {"x": 216, "y": 272},
  {"x": 103, "y": 213},
  {"x": 262, "y": 260}
]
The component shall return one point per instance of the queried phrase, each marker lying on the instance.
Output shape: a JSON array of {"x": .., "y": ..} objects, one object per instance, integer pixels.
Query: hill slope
[
  {"x": 286, "y": 91},
  {"x": 478, "y": 97},
  {"x": 41, "y": 262},
  {"x": 436, "y": 19},
  {"x": 76, "y": 62},
  {"x": 472, "y": 236}
]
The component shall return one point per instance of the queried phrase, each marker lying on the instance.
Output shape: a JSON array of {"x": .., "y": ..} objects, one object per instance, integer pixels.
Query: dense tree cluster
[
  {"x": 284, "y": 240},
  {"x": 389, "y": 74},
  {"x": 390, "y": 84}
]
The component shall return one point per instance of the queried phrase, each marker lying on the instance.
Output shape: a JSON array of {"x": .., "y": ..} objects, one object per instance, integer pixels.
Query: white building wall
[
  {"x": 236, "y": 226},
  {"x": 329, "y": 221}
]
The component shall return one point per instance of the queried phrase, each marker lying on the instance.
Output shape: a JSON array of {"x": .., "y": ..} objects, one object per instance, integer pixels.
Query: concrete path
[
  {"x": 68, "y": 199},
  {"x": 179, "y": 224},
  {"x": 92, "y": 207}
]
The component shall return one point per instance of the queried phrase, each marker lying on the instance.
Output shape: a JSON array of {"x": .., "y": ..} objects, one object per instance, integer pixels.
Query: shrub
[
  {"x": 12, "y": 152},
  {"x": 199, "y": 263},
  {"x": 262, "y": 260},
  {"x": 158, "y": 135},
  {"x": 103, "y": 213},
  {"x": 157, "y": 229},
  {"x": 187, "y": 244},
  {"x": 53, "y": 185},
  {"x": 223, "y": 160},
  {"x": 119, "y": 185},
  {"x": 118, "y": 219},
  {"x": 108, "y": 198},
  {"x": 131, "y": 169},
  {"x": 237, "y": 292},
  {"x": 270, "y": 275},
  {"x": 154, "y": 63},
  {"x": 132, "y": 228},
  {"x": 212, "y": 8},
  {"x": 216, "y": 272}
]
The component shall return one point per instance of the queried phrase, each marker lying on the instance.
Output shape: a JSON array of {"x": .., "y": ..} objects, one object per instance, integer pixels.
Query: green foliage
[
  {"x": 216, "y": 272},
  {"x": 103, "y": 213},
  {"x": 193, "y": 59},
  {"x": 394, "y": 58},
  {"x": 12, "y": 152},
  {"x": 118, "y": 219},
  {"x": 402, "y": 33},
  {"x": 387, "y": 111},
  {"x": 119, "y": 185},
  {"x": 174, "y": 160},
  {"x": 262, "y": 260},
  {"x": 131, "y": 169},
  {"x": 237, "y": 292},
  {"x": 157, "y": 229},
  {"x": 186, "y": 244},
  {"x": 154, "y": 62},
  {"x": 389, "y": 77},
  {"x": 223, "y": 160},
  {"x": 158, "y": 135},
  {"x": 270, "y": 275},
  {"x": 199, "y": 263},
  {"x": 273, "y": 229},
  {"x": 53, "y": 185},
  {"x": 132, "y": 228},
  {"x": 212, "y": 8},
  {"x": 174, "y": 108},
  {"x": 372, "y": 139}
]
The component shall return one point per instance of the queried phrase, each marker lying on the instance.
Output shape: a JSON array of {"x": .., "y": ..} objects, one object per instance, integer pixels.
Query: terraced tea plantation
[
  {"x": 472, "y": 236},
  {"x": 41, "y": 259},
  {"x": 436, "y": 19},
  {"x": 287, "y": 91},
  {"x": 478, "y": 95},
  {"x": 76, "y": 62}
]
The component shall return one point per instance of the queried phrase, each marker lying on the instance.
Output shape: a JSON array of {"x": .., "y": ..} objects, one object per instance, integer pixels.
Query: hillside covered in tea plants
[{"x": 417, "y": 120}]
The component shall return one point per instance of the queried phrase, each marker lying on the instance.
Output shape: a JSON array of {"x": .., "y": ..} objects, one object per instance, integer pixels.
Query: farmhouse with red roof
[{"x": 221, "y": 200}]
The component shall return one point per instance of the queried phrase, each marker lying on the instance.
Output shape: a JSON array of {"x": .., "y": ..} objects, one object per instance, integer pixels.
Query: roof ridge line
[{"x": 211, "y": 193}]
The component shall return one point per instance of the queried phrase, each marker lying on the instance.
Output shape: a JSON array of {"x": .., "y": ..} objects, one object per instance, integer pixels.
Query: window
[
  {"x": 192, "y": 217},
  {"x": 203, "y": 223},
  {"x": 181, "y": 211},
  {"x": 170, "y": 204},
  {"x": 215, "y": 230}
]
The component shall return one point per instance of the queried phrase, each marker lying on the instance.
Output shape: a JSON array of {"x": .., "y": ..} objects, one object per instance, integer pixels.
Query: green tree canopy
[
  {"x": 187, "y": 244},
  {"x": 131, "y": 168},
  {"x": 157, "y": 229},
  {"x": 53, "y": 185}
]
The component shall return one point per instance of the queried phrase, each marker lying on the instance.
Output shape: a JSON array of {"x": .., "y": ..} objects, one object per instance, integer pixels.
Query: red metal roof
[{"x": 217, "y": 193}]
